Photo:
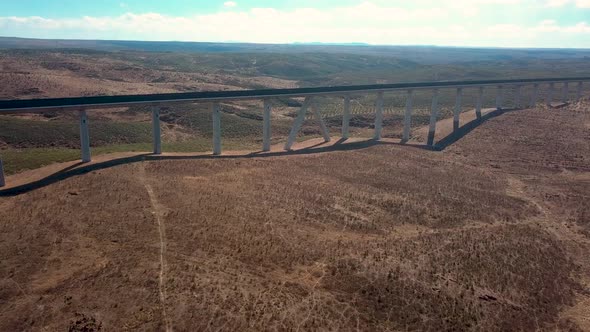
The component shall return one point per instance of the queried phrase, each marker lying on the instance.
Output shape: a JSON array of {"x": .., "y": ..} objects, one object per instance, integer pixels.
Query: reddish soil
[
  {"x": 490, "y": 234},
  {"x": 58, "y": 74}
]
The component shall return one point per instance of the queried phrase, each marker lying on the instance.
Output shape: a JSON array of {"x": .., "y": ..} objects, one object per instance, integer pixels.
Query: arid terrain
[
  {"x": 51, "y": 69},
  {"x": 490, "y": 234},
  {"x": 29, "y": 141}
]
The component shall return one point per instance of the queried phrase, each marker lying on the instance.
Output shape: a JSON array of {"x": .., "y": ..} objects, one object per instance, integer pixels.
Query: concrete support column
[
  {"x": 84, "y": 137},
  {"x": 550, "y": 94},
  {"x": 408, "y": 116},
  {"x": 215, "y": 110},
  {"x": 535, "y": 95},
  {"x": 266, "y": 130},
  {"x": 579, "y": 93},
  {"x": 457, "y": 112},
  {"x": 517, "y": 99},
  {"x": 499, "y": 95},
  {"x": 298, "y": 123},
  {"x": 156, "y": 130},
  {"x": 379, "y": 116},
  {"x": 2, "y": 180},
  {"x": 346, "y": 117},
  {"x": 433, "y": 118},
  {"x": 318, "y": 116},
  {"x": 479, "y": 103},
  {"x": 566, "y": 92}
]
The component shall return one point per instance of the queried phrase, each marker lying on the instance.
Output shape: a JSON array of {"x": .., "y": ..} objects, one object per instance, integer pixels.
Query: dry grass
[
  {"x": 490, "y": 235},
  {"x": 63, "y": 74},
  {"x": 385, "y": 238},
  {"x": 547, "y": 149}
]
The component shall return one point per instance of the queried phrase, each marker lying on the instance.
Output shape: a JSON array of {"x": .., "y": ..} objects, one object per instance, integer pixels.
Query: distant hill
[{"x": 420, "y": 54}]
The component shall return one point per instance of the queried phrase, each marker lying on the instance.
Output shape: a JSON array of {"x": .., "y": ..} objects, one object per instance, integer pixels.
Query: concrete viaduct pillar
[
  {"x": 379, "y": 117},
  {"x": 346, "y": 117},
  {"x": 479, "y": 102},
  {"x": 156, "y": 130},
  {"x": 2, "y": 180},
  {"x": 457, "y": 112},
  {"x": 535, "y": 95},
  {"x": 433, "y": 118},
  {"x": 84, "y": 137},
  {"x": 408, "y": 116},
  {"x": 266, "y": 130},
  {"x": 216, "y": 128},
  {"x": 550, "y": 94}
]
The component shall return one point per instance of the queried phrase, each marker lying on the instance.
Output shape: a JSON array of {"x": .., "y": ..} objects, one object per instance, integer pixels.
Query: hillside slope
[{"x": 490, "y": 234}]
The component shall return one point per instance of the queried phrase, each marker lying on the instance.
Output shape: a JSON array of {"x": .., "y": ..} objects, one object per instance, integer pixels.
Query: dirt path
[
  {"x": 159, "y": 212},
  {"x": 570, "y": 236},
  {"x": 481, "y": 236}
]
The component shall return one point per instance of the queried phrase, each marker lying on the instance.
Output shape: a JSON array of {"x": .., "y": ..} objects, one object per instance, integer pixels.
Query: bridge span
[{"x": 84, "y": 104}]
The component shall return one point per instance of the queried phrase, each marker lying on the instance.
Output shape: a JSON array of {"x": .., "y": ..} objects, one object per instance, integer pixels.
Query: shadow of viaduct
[{"x": 78, "y": 168}]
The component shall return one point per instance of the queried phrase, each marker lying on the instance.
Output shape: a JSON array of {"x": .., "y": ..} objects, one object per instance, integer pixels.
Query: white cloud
[
  {"x": 561, "y": 3},
  {"x": 548, "y": 31},
  {"x": 556, "y": 3},
  {"x": 376, "y": 22},
  {"x": 230, "y": 4},
  {"x": 551, "y": 26},
  {"x": 497, "y": 2}
]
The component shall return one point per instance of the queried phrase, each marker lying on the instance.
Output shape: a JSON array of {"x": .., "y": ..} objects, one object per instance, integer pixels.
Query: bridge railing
[{"x": 214, "y": 98}]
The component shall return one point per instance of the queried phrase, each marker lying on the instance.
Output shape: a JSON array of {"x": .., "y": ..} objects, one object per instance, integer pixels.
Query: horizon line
[{"x": 358, "y": 44}]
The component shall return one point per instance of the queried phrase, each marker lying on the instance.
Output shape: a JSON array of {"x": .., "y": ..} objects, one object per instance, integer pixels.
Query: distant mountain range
[{"x": 421, "y": 54}]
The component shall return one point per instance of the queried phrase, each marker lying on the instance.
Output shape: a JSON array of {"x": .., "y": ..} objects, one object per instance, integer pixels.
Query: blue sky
[
  {"x": 501, "y": 23},
  {"x": 75, "y": 8}
]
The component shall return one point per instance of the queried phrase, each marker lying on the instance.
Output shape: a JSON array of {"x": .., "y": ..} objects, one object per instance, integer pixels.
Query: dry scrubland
[
  {"x": 30, "y": 141},
  {"x": 59, "y": 73},
  {"x": 491, "y": 234}
]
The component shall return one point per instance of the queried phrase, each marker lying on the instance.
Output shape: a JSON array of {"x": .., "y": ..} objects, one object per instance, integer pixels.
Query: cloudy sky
[{"x": 496, "y": 23}]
